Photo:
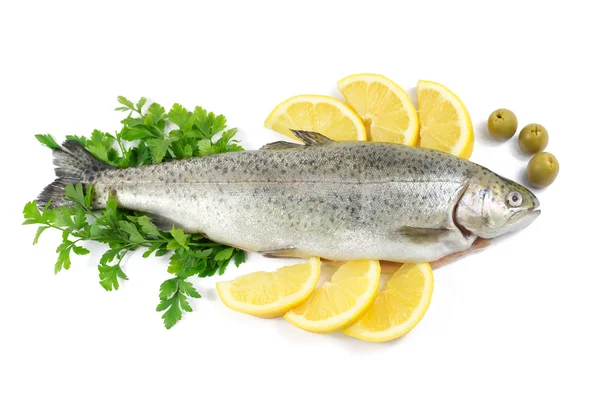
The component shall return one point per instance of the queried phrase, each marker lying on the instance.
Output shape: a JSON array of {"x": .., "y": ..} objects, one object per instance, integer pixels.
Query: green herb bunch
[{"x": 148, "y": 136}]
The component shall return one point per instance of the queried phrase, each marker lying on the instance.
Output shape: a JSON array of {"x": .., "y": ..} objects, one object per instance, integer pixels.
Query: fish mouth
[
  {"x": 534, "y": 212},
  {"x": 525, "y": 218}
]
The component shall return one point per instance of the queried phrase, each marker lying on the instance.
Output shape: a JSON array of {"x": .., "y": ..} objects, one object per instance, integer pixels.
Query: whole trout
[{"x": 337, "y": 200}]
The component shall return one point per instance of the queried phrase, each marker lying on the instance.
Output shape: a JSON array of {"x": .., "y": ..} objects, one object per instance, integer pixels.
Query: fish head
[{"x": 492, "y": 206}]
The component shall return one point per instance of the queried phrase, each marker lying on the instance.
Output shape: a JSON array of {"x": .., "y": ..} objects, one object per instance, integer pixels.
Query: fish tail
[{"x": 74, "y": 164}]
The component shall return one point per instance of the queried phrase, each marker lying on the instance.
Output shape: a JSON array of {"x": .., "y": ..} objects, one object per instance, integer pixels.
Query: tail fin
[{"x": 73, "y": 164}]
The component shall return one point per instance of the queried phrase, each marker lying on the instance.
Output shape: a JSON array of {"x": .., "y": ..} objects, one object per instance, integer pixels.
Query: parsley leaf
[
  {"x": 147, "y": 226},
  {"x": 47, "y": 140},
  {"x": 173, "y": 299},
  {"x": 39, "y": 232},
  {"x": 181, "y": 117},
  {"x": 224, "y": 254},
  {"x": 180, "y": 238},
  {"x": 127, "y": 103},
  {"x": 109, "y": 276}
]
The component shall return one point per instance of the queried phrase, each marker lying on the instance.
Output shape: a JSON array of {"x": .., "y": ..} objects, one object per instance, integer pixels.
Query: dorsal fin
[
  {"x": 307, "y": 137},
  {"x": 281, "y": 145},
  {"x": 311, "y": 138}
]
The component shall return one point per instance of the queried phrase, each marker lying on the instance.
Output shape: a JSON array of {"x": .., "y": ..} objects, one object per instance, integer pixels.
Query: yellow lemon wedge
[
  {"x": 322, "y": 114},
  {"x": 271, "y": 294},
  {"x": 399, "y": 307},
  {"x": 341, "y": 301},
  {"x": 444, "y": 120},
  {"x": 384, "y": 107}
]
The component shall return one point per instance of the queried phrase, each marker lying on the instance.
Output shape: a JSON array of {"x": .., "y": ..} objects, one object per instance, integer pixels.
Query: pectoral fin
[
  {"x": 423, "y": 235},
  {"x": 290, "y": 252},
  {"x": 164, "y": 223}
]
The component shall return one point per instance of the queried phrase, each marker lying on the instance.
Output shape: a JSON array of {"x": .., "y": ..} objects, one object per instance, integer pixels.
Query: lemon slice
[
  {"x": 271, "y": 294},
  {"x": 399, "y": 307},
  {"x": 384, "y": 107},
  {"x": 323, "y": 114},
  {"x": 341, "y": 301},
  {"x": 444, "y": 120}
]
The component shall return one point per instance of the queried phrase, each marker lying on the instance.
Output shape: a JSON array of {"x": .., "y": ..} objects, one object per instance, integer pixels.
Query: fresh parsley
[{"x": 148, "y": 136}]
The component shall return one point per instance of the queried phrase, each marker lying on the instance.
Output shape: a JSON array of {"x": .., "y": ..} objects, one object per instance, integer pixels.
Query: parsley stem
[
  {"x": 121, "y": 145},
  {"x": 53, "y": 226},
  {"x": 121, "y": 255}
]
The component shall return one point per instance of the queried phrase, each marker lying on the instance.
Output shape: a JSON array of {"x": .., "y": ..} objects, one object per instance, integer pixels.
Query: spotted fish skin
[{"x": 336, "y": 200}]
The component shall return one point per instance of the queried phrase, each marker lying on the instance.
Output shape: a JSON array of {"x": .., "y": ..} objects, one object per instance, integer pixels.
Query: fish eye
[{"x": 514, "y": 199}]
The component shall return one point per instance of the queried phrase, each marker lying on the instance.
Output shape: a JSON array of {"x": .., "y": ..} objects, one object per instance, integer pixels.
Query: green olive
[
  {"x": 542, "y": 169},
  {"x": 502, "y": 124},
  {"x": 533, "y": 138}
]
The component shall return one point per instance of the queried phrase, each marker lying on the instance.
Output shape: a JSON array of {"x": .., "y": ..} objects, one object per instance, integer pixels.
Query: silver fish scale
[{"x": 340, "y": 201}]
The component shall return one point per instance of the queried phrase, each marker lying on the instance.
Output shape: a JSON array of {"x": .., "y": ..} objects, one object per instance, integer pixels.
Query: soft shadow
[
  {"x": 210, "y": 294},
  {"x": 481, "y": 133},
  {"x": 523, "y": 177},
  {"x": 338, "y": 339},
  {"x": 326, "y": 271},
  {"x": 412, "y": 93},
  {"x": 516, "y": 151},
  {"x": 334, "y": 92},
  {"x": 359, "y": 346}
]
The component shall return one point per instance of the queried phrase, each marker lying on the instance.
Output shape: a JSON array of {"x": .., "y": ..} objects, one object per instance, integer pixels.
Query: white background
[{"x": 518, "y": 320}]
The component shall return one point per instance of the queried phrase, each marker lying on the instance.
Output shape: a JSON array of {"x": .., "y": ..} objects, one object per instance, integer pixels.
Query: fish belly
[{"x": 333, "y": 221}]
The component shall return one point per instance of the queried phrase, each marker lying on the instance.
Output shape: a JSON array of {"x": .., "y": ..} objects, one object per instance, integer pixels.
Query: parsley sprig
[{"x": 148, "y": 136}]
